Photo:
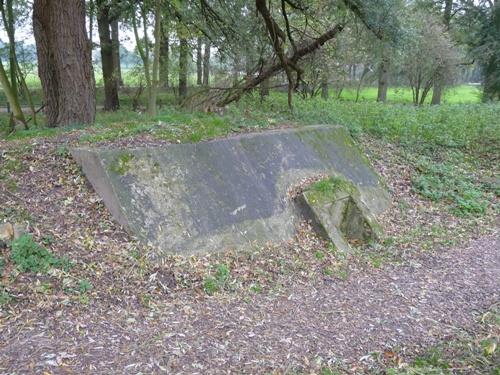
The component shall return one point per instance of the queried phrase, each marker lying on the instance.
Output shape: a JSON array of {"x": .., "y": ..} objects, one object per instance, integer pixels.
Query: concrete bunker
[{"x": 226, "y": 193}]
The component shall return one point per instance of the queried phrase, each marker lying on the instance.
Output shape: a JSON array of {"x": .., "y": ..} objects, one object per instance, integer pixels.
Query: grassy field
[{"x": 462, "y": 94}]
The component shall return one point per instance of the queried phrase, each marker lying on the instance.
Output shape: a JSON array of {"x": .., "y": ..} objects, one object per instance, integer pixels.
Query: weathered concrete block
[
  {"x": 338, "y": 212},
  {"x": 226, "y": 193}
]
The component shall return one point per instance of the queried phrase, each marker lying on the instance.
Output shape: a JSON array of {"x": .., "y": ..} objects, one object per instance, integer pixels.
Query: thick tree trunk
[
  {"x": 115, "y": 40},
  {"x": 64, "y": 61},
  {"x": 111, "y": 100},
  {"x": 437, "y": 91},
  {"x": 199, "y": 63},
  {"x": 183, "y": 68},
  {"x": 383, "y": 80},
  {"x": 206, "y": 64},
  {"x": 164, "y": 57}
]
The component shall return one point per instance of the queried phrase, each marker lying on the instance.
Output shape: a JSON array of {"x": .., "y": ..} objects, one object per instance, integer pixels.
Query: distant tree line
[{"x": 237, "y": 46}]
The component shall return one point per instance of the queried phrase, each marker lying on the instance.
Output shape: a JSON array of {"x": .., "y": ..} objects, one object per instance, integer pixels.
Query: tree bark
[
  {"x": 111, "y": 100},
  {"x": 164, "y": 56},
  {"x": 115, "y": 40},
  {"x": 199, "y": 63},
  {"x": 324, "y": 85},
  {"x": 264, "y": 90},
  {"x": 440, "y": 80},
  {"x": 15, "y": 70},
  {"x": 156, "y": 60},
  {"x": 64, "y": 61},
  {"x": 11, "y": 96},
  {"x": 383, "y": 79},
  {"x": 360, "y": 82},
  {"x": 206, "y": 64},
  {"x": 8, "y": 20},
  {"x": 91, "y": 22},
  {"x": 183, "y": 68}
]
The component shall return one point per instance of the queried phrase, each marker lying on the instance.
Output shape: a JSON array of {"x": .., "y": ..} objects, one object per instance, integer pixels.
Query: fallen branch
[{"x": 235, "y": 93}]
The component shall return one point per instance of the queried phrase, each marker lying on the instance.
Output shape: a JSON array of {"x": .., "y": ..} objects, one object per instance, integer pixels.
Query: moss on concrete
[
  {"x": 121, "y": 164},
  {"x": 330, "y": 189}
]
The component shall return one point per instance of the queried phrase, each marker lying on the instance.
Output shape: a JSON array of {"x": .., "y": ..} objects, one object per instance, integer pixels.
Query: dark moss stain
[{"x": 341, "y": 138}]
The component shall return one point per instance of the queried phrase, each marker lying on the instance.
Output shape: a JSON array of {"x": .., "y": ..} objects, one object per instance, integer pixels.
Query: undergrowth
[{"x": 29, "y": 256}]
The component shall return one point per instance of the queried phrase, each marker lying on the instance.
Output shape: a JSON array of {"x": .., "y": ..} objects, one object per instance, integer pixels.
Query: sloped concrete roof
[{"x": 226, "y": 193}]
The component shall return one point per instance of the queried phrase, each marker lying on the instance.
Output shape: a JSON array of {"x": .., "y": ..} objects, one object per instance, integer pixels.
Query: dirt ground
[{"x": 291, "y": 307}]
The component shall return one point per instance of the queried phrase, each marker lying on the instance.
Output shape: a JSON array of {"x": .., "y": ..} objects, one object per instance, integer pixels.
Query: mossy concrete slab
[
  {"x": 339, "y": 214},
  {"x": 226, "y": 193}
]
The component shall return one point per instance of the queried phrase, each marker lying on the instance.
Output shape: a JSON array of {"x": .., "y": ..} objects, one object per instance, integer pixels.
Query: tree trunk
[
  {"x": 206, "y": 64},
  {"x": 143, "y": 46},
  {"x": 360, "y": 82},
  {"x": 91, "y": 22},
  {"x": 383, "y": 79},
  {"x": 164, "y": 57},
  {"x": 156, "y": 60},
  {"x": 15, "y": 71},
  {"x": 264, "y": 90},
  {"x": 115, "y": 40},
  {"x": 64, "y": 61},
  {"x": 11, "y": 97},
  {"x": 8, "y": 19},
  {"x": 324, "y": 85},
  {"x": 183, "y": 68},
  {"x": 440, "y": 80},
  {"x": 437, "y": 91},
  {"x": 236, "y": 70},
  {"x": 111, "y": 100},
  {"x": 199, "y": 64}
]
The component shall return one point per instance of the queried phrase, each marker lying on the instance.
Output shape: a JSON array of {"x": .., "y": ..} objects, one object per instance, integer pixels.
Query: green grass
[
  {"x": 463, "y": 94},
  {"x": 217, "y": 282},
  {"x": 448, "y": 177}
]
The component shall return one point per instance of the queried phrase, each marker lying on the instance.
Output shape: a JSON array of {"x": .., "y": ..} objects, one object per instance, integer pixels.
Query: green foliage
[
  {"x": 328, "y": 189},
  {"x": 319, "y": 255},
  {"x": 31, "y": 257},
  {"x": 121, "y": 164},
  {"x": 5, "y": 297},
  {"x": 447, "y": 181},
  {"x": 218, "y": 282},
  {"x": 331, "y": 185},
  {"x": 84, "y": 286}
]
